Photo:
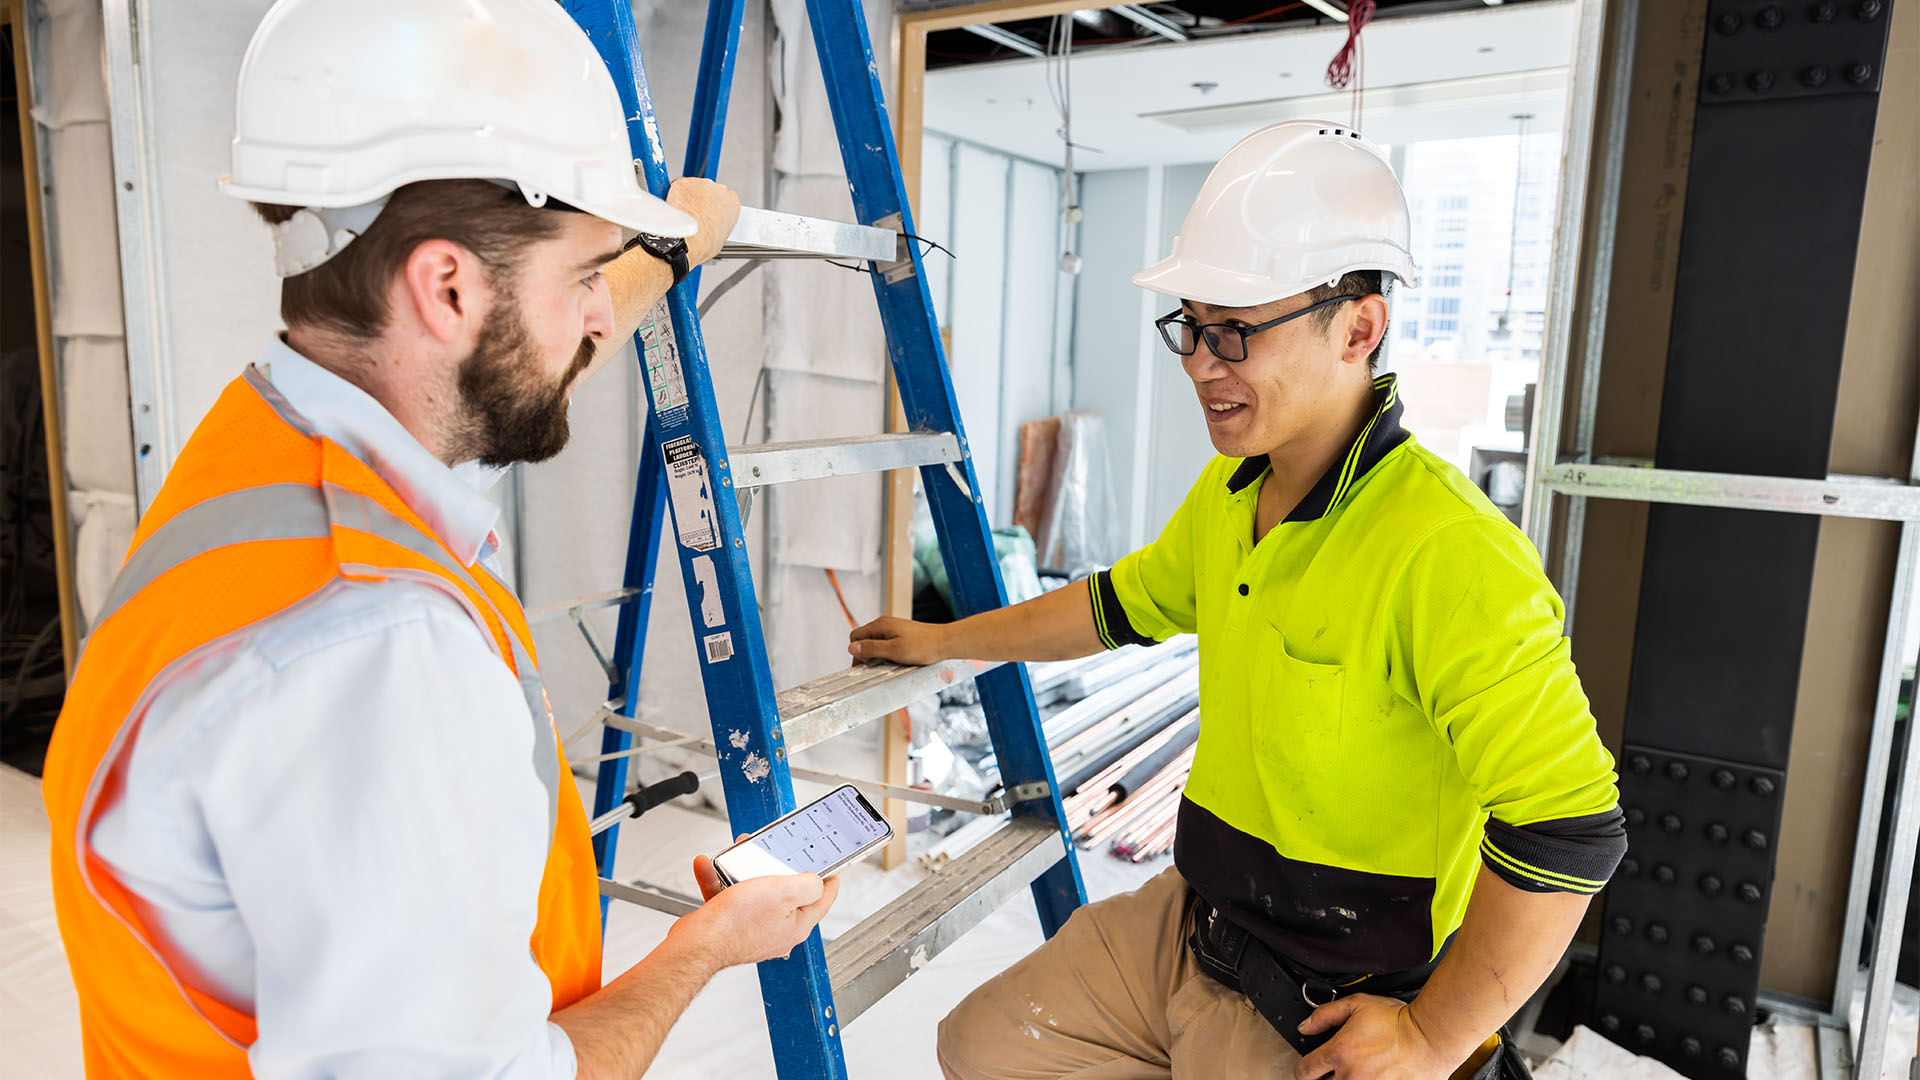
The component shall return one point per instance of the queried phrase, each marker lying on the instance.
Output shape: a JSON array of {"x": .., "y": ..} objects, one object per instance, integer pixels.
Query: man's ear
[
  {"x": 439, "y": 283},
  {"x": 1366, "y": 325}
]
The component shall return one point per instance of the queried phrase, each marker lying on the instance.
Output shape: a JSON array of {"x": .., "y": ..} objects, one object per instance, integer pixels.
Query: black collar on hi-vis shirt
[{"x": 1382, "y": 433}]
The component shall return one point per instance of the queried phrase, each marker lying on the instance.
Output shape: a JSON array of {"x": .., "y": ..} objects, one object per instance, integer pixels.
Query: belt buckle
[{"x": 1306, "y": 993}]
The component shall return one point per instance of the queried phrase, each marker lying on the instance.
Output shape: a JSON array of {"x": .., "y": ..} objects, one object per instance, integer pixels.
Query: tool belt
[{"x": 1286, "y": 994}]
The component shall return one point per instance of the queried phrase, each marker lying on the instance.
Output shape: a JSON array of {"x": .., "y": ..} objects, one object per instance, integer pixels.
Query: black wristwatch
[{"x": 672, "y": 249}]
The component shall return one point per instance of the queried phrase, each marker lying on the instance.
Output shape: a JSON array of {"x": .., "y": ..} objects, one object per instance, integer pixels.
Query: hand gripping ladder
[{"x": 686, "y": 464}]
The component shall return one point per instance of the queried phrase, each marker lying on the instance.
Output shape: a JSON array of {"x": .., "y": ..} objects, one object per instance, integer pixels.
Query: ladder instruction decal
[
  {"x": 694, "y": 517},
  {"x": 661, "y": 357}
]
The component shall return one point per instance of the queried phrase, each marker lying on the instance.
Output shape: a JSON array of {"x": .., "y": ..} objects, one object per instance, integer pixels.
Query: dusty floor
[{"x": 723, "y": 1033}]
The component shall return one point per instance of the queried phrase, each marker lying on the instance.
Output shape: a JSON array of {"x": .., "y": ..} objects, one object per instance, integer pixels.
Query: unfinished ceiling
[
  {"x": 1430, "y": 71},
  {"x": 1132, "y": 25}
]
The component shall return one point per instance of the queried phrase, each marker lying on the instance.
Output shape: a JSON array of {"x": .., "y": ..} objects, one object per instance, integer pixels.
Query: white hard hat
[
  {"x": 340, "y": 102},
  {"x": 1291, "y": 206}
]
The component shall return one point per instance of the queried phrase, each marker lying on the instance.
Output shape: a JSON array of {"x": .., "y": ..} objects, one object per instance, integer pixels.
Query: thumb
[
  {"x": 1330, "y": 1016},
  {"x": 871, "y": 649},
  {"x": 799, "y": 890},
  {"x": 706, "y": 877}
]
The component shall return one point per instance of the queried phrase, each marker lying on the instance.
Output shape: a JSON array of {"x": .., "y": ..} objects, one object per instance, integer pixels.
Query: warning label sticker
[
  {"x": 694, "y": 517},
  {"x": 662, "y": 358}
]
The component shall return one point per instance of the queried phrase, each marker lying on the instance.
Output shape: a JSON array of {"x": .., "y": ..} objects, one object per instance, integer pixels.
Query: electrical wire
[{"x": 842, "y": 597}]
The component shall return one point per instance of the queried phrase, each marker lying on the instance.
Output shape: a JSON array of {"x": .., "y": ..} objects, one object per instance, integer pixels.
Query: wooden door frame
[
  {"x": 910, "y": 75},
  {"x": 13, "y": 13}
]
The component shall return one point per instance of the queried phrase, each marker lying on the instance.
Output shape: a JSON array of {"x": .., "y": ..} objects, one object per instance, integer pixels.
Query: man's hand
[
  {"x": 1378, "y": 1039},
  {"x": 902, "y": 641},
  {"x": 714, "y": 206},
  {"x": 757, "y": 919}
]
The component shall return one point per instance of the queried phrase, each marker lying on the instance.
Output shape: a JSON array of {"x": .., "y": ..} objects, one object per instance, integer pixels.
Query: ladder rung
[
  {"x": 649, "y": 896},
  {"x": 611, "y": 598},
  {"x": 814, "y": 712},
  {"x": 871, "y": 959},
  {"x": 768, "y": 234},
  {"x": 817, "y": 459}
]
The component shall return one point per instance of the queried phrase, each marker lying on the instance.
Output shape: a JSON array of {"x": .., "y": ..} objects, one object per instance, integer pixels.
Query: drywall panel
[
  {"x": 980, "y": 201},
  {"x": 1180, "y": 445},
  {"x": 1027, "y": 336},
  {"x": 933, "y": 219},
  {"x": 1113, "y": 324}
]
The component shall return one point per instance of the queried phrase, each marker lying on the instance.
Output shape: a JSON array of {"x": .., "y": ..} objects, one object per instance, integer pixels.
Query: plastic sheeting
[
  {"x": 96, "y": 437},
  {"x": 70, "y": 107},
  {"x": 1079, "y": 527},
  {"x": 86, "y": 263}
]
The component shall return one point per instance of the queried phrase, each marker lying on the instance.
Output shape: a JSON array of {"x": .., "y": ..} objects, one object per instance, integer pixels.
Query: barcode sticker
[{"x": 719, "y": 646}]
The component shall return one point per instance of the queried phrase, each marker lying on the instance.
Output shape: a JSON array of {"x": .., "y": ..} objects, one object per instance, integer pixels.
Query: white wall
[
  {"x": 1178, "y": 444},
  {"x": 1002, "y": 297},
  {"x": 1114, "y": 348}
]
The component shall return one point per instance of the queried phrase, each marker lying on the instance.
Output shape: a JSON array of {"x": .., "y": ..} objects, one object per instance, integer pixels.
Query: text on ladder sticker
[
  {"x": 662, "y": 359},
  {"x": 693, "y": 514},
  {"x": 719, "y": 647}
]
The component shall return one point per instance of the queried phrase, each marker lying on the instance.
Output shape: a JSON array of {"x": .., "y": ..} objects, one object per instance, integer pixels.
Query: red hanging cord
[{"x": 1343, "y": 68}]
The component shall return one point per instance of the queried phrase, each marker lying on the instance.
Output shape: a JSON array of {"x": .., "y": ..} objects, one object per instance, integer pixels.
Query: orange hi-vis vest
[{"x": 260, "y": 515}]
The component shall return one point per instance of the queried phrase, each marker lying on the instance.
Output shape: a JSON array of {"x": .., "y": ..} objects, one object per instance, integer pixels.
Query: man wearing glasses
[{"x": 1399, "y": 807}]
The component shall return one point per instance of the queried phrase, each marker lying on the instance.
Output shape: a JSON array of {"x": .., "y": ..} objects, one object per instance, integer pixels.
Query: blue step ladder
[{"x": 686, "y": 465}]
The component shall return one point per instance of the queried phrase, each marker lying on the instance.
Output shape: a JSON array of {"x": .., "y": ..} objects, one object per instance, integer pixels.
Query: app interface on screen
[{"x": 827, "y": 832}]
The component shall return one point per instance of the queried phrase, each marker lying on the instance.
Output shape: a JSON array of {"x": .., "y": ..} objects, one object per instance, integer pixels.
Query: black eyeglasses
[{"x": 1182, "y": 332}]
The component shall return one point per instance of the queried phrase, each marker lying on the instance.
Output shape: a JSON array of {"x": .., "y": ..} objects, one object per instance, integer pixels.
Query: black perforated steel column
[{"x": 1782, "y": 137}]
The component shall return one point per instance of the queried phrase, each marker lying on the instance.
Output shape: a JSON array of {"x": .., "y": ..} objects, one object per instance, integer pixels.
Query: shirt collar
[
  {"x": 451, "y": 501},
  {"x": 1381, "y": 434}
]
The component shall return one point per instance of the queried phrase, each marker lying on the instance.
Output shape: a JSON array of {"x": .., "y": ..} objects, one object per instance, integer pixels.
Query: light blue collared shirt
[{"x": 329, "y": 818}]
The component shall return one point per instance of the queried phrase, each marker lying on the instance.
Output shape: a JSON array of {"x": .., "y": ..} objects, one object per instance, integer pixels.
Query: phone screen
[{"x": 821, "y": 836}]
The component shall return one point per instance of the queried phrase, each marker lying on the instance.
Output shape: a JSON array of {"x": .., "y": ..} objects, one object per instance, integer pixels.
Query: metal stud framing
[{"x": 1578, "y": 475}]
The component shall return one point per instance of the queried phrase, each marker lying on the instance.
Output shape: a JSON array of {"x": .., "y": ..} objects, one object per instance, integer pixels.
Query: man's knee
[{"x": 969, "y": 1024}]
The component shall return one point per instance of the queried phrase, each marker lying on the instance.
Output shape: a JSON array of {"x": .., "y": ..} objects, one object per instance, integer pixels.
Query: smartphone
[{"x": 818, "y": 838}]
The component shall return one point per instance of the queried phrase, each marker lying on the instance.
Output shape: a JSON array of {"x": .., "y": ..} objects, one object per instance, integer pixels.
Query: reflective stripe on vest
[
  {"x": 259, "y": 515},
  {"x": 300, "y": 512}
]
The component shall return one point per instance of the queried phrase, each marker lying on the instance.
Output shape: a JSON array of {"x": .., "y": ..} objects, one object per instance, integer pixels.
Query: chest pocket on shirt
[{"x": 1297, "y": 714}]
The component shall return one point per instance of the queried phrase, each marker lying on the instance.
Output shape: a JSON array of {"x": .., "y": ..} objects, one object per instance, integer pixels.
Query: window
[
  {"x": 1446, "y": 277},
  {"x": 1454, "y": 202},
  {"x": 1444, "y": 305},
  {"x": 1442, "y": 326},
  {"x": 1410, "y": 329}
]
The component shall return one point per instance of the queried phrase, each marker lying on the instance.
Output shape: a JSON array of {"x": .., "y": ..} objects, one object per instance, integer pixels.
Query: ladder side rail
[
  {"x": 712, "y": 91},
  {"x": 796, "y": 991},
  {"x": 919, "y": 364},
  {"x": 629, "y": 645}
]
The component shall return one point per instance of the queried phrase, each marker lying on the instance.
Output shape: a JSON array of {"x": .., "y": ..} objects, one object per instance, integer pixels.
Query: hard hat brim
[
  {"x": 1189, "y": 279},
  {"x": 1184, "y": 279},
  {"x": 636, "y": 211}
]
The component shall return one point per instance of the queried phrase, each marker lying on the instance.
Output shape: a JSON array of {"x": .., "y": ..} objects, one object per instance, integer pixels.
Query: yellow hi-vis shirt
[{"x": 1386, "y": 701}]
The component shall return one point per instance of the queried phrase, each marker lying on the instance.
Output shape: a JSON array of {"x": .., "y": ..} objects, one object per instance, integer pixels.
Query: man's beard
[{"x": 509, "y": 415}]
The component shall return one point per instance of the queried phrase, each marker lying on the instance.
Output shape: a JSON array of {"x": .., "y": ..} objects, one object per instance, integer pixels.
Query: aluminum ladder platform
[{"x": 686, "y": 465}]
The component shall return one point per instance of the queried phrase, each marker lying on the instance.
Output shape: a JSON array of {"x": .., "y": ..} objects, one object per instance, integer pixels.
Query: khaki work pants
[{"x": 1115, "y": 995}]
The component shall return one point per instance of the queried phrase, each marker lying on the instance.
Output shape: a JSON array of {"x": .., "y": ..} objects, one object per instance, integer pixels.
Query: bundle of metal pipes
[
  {"x": 1133, "y": 802},
  {"x": 1122, "y": 735}
]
